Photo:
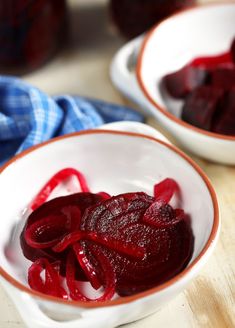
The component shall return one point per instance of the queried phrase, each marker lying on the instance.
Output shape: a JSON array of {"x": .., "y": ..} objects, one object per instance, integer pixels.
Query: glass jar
[
  {"x": 30, "y": 32},
  {"x": 133, "y": 17}
]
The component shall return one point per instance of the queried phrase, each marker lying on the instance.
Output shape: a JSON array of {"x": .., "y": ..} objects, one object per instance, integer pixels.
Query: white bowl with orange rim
[
  {"x": 97, "y": 153},
  {"x": 138, "y": 68}
]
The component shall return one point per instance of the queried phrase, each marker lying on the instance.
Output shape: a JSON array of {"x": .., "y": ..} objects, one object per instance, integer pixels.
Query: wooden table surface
[{"x": 83, "y": 68}]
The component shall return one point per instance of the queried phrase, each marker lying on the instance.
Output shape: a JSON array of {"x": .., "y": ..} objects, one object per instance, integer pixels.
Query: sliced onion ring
[
  {"x": 75, "y": 291},
  {"x": 119, "y": 246},
  {"x": 54, "y": 181},
  {"x": 51, "y": 285},
  {"x": 165, "y": 189}
]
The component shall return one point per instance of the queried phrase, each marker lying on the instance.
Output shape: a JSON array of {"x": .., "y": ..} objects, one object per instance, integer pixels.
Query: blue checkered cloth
[{"x": 28, "y": 116}]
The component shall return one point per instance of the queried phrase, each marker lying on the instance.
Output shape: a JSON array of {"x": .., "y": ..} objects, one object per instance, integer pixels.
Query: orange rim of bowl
[
  {"x": 126, "y": 299},
  {"x": 143, "y": 87}
]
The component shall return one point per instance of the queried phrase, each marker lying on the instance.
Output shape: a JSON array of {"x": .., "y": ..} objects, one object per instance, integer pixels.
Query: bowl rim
[
  {"x": 163, "y": 110},
  {"x": 127, "y": 299}
]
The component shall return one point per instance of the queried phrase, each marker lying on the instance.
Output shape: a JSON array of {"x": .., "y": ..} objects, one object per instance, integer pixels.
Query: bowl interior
[
  {"x": 111, "y": 161},
  {"x": 201, "y": 31}
]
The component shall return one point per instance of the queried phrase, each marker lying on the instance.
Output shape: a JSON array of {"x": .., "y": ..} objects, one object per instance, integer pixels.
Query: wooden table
[{"x": 83, "y": 68}]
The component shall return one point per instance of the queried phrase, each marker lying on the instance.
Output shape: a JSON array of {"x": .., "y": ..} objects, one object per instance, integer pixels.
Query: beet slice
[
  {"x": 162, "y": 215},
  {"x": 200, "y": 106},
  {"x": 165, "y": 189},
  {"x": 33, "y": 254},
  {"x": 168, "y": 249},
  {"x": 63, "y": 211},
  {"x": 223, "y": 77},
  {"x": 224, "y": 122},
  {"x": 126, "y": 243},
  {"x": 49, "y": 230},
  {"x": 180, "y": 83},
  {"x": 76, "y": 236},
  {"x": 212, "y": 62},
  {"x": 58, "y": 206}
]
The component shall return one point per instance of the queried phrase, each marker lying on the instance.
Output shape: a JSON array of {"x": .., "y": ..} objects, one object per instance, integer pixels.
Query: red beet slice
[
  {"x": 208, "y": 103},
  {"x": 212, "y": 62},
  {"x": 76, "y": 236},
  {"x": 165, "y": 189},
  {"x": 224, "y": 122},
  {"x": 104, "y": 195},
  {"x": 121, "y": 217},
  {"x": 63, "y": 209},
  {"x": 49, "y": 230},
  {"x": 33, "y": 254},
  {"x": 223, "y": 78},
  {"x": 126, "y": 243},
  {"x": 200, "y": 106},
  {"x": 180, "y": 83},
  {"x": 60, "y": 207},
  {"x": 162, "y": 215}
]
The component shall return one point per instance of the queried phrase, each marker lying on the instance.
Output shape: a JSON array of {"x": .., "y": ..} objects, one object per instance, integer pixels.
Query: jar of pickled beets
[
  {"x": 30, "y": 33},
  {"x": 133, "y": 17}
]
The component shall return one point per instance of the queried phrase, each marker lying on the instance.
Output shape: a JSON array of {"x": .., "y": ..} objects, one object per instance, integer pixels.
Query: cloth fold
[{"x": 28, "y": 116}]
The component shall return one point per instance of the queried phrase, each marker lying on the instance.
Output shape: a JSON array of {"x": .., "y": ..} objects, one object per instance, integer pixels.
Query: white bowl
[
  {"x": 199, "y": 31},
  {"x": 115, "y": 162}
]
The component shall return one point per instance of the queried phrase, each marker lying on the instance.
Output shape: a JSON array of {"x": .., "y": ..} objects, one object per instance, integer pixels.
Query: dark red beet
[
  {"x": 232, "y": 51},
  {"x": 162, "y": 215},
  {"x": 212, "y": 62},
  {"x": 200, "y": 106},
  {"x": 59, "y": 207},
  {"x": 223, "y": 77},
  {"x": 48, "y": 231},
  {"x": 126, "y": 243},
  {"x": 208, "y": 103},
  {"x": 121, "y": 218},
  {"x": 224, "y": 122},
  {"x": 56, "y": 205},
  {"x": 183, "y": 81},
  {"x": 165, "y": 189}
]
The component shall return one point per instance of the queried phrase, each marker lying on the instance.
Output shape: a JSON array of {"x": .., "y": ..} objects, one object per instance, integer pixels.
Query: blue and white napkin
[{"x": 28, "y": 116}]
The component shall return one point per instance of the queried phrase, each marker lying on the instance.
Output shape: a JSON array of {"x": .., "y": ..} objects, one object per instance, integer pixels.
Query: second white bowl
[
  {"x": 202, "y": 30},
  {"x": 115, "y": 162}
]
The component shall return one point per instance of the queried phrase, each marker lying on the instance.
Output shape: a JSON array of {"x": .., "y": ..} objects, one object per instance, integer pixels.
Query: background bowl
[
  {"x": 115, "y": 162},
  {"x": 201, "y": 30}
]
